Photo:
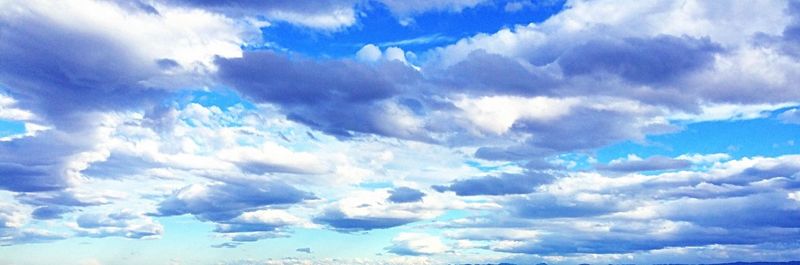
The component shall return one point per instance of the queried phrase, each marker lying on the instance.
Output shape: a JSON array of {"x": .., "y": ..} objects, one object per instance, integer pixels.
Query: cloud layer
[{"x": 602, "y": 131}]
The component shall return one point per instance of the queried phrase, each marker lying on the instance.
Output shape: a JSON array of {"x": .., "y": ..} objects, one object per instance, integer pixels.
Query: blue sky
[{"x": 399, "y": 132}]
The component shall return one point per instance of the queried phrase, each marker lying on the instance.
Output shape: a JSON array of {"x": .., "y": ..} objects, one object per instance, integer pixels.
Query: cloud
[
  {"x": 124, "y": 224},
  {"x": 339, "y": 97},
  {"x": 304, "y": 250},
  {"x": 27, "y": 236},
  {"x": 321, "y": 15},
  {"x": 226, "y": 245},
  {"x": 49, "y": 212},
  {"x": 498, "y": 185},
  {"x": 497, "y": 114},
  {"x": 585, "y": 212},
  {"x": 415, "y": 244},
  {"x": 371, "y": 53},
  {"x": 485, "y": 73},
  {"x": 613, "y": 120},
  {"x": 25, "y": 169},
  {"x": 540, "y": 205},
  {"x": 407, "y": 8},
  {"x": 634, "y": 163},
  {"x": 343, "y": 222},
  {"x": 95, "y": 71},
  {"x": 223, "y": 201},
  {"x": 369, "y": 210},
  {"x": 12, "y": 216},
  {"x": 654, "y": 60},
  {"x": 122, "y": 71},
  {"x": 761, "y": 210},
  {"x": 791, "y": 116},
  {"x": 405, "y": 194},
  {"x": 273, "y": 158},
  {"x": 268, "y": 220}
]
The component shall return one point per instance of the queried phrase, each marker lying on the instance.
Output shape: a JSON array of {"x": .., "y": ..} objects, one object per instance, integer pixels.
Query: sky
[{"x": 399, "y": 132}]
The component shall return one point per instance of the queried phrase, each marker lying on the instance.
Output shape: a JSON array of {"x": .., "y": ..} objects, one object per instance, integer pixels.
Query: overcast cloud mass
[{"x": 399, "y": 132}]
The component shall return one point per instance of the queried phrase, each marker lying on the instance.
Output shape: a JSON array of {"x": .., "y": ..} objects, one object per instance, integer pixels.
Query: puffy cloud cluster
[
  {"x": 465, "y": 138},
  {"x": 749, "y": 201},
  {"x": 124, "y": 223}
]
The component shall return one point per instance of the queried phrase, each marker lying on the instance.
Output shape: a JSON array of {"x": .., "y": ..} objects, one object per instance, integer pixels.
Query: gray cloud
[
  {"x": 220, "y": 202},
  {"x": 498, "y": 185},
  {"x": 405, "y": 194},
  {"x": 652, "y": 60},
  {"x": 338, "y": 97},
  {"x": 647, "y": 164},
  {"x": 340, "y": 221},
  {"x": 791, "y": 116},
  {"x": 482, "y": 73}
]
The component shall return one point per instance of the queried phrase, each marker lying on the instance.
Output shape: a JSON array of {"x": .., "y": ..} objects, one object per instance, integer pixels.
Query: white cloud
[
  {"x": 333, "y": 20},
  {"x": 496, "y": 114},
  {"x": 372, "y": 53},
  {"x": 8, "y": 111},
  {"x": 416, "y": 244}
]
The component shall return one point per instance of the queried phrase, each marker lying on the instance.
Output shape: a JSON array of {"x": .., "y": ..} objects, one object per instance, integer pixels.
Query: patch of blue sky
[
  {"x": 738, "y": 138},
  {"x": 364, "y": 244},
  {"x": 11, "y": 128},
  {"x": 573, "y": 161},
  {"x": 377, "y": 25},
  {"x": 221, "y": 97},
  {"x": 375, "y": 185},
  {"x": 182, "y": 238},
  {"x": 483, "y": 167},
  {"x": 455, "y": 214}
]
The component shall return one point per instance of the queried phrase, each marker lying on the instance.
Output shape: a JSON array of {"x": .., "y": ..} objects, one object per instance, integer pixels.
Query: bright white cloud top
[{"x": 399, "y": 132}]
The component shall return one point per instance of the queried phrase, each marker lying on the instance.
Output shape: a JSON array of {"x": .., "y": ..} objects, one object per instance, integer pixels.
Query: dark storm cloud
[
  {"x": 651, "y": 61},
  {"x": 647, "y": 164},
  {"x": 498, "y": 185},
  {"x": 405, "y": 194}
]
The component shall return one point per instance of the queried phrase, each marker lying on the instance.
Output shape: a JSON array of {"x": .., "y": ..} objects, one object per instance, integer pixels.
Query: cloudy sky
[{"x": 399, "y": 131}]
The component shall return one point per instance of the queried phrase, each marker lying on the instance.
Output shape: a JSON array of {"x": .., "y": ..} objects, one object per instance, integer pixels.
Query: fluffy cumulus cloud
[
  {"x": 125, "y": 224},
  {"x": 600, "y": 132}
]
